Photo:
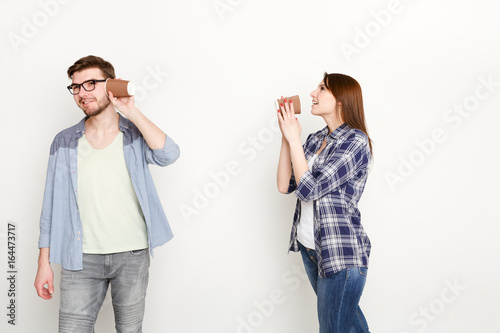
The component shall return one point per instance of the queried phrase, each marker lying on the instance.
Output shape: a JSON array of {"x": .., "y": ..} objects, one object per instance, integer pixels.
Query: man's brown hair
[{"x": 92, "y": 62}]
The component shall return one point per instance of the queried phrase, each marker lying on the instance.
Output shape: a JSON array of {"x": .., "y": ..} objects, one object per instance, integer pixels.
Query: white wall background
[{"x": 208, "y": 77}]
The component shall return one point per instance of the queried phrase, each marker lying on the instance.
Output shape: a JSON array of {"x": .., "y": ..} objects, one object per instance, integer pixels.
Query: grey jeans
[{"x": 83, "y": 292}]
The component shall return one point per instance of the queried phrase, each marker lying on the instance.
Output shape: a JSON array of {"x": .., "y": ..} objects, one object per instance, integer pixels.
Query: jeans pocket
[
  {"x": 363, "y": 271},
  {"x": 138, "y": 252}
]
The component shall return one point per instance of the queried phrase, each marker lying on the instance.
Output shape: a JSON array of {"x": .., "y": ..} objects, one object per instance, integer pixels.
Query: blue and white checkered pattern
[{"x": 335, "y": 185}]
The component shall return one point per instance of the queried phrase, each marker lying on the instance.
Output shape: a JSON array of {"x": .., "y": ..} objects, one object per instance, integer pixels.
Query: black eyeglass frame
[{"x": 81, "y": 85}]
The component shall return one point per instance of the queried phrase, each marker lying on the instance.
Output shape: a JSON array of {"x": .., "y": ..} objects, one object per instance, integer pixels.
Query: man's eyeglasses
[{"x": 88, "y": 85}]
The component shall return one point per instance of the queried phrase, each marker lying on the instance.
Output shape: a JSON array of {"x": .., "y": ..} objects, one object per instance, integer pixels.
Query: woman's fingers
[
  {"x": 292, "y": 110},
  {"x": 288, "y": 123},
  {"x": 285, "y": 108}
]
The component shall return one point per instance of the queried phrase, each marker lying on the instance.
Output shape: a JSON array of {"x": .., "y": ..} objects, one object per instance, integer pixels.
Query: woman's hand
[
  {"x": 291, "y": 150},
  {"x": 289, "y": 124}
]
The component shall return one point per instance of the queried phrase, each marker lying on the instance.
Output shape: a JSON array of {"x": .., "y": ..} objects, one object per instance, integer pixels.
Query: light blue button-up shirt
[{"x": 60, "y": 224}]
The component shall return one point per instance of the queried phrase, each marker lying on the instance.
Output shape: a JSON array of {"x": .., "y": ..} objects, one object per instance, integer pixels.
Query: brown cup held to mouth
[
  {"x": 295, "y": 101},
  {"x": 119, "y": 88}
]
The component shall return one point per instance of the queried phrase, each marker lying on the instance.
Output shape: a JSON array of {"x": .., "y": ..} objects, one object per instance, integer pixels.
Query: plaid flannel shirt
[{"x": 335, "y": 185}]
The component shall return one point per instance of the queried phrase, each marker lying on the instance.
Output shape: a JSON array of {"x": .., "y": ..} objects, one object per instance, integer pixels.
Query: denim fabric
[
  {"x": 338, "y": 296},
  {"x": 83, "y": 292},
  {"x": 60, "y": 224}
]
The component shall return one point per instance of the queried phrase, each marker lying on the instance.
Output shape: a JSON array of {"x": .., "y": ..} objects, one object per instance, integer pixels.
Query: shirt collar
[
  {"x": 338, "y": 132},
  {"x": 80, "y": 127},
  {"x": 123, "y": 124}
]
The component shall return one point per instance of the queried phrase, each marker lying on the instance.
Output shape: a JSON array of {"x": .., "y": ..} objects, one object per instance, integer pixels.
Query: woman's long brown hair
[{"x": 347, "y": 91}]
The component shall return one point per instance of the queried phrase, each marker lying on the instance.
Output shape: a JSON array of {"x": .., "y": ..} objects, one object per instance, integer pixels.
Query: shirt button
[{"x": 78, "y": 238}]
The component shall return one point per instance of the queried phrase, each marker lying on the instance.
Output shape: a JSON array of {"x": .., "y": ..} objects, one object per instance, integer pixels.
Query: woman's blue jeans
[
  {"x": 338, "y": 296},
  {"x": 83, "y": 292}
]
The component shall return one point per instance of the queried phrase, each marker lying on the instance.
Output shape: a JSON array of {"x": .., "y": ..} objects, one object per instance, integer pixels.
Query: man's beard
[{"x": 101, "y": 106}]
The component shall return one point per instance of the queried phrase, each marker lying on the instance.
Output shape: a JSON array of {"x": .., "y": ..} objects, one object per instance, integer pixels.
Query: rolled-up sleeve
[
  {"x": 344, "y": 163},
  {"x": 292, "y": 184},
  {"x": 163, "y": 156}
]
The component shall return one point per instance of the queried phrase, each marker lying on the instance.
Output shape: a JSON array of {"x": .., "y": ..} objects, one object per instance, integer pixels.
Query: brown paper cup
[
  {"x": 295, "y": 101},
  {"x": 119, "y": 88}
]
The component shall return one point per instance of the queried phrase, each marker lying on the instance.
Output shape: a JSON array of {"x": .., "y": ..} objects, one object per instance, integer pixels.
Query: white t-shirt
[
  {"x": 112, "y": 219},
  {"x": 305, "y": 229}
]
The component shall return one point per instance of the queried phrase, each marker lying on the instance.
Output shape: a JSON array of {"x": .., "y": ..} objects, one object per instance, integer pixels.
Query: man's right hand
[{"x": 44, "y": 276}]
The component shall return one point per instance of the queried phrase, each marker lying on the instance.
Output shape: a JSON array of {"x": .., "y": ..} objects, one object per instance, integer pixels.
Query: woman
[{"x": 328, "y": 175}]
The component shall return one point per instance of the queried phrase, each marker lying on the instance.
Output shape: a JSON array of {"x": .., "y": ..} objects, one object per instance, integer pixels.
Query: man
[{"x": 101, "y": 211}]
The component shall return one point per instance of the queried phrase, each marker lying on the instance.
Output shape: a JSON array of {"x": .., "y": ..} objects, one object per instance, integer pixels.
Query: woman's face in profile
[{"x": 323, "y": 101}]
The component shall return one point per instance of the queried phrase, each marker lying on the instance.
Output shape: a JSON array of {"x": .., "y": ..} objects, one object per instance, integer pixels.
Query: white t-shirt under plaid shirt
[{"x": 335, "y": 184}]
